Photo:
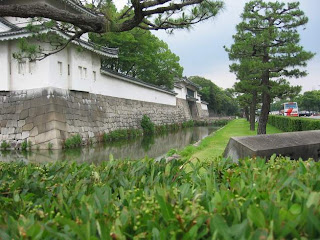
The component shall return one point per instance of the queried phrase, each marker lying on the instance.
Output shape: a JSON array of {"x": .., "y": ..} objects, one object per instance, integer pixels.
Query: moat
[{"x": 153, "y": 147}]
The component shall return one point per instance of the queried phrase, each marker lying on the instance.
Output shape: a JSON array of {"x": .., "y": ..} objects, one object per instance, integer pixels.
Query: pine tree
[{"x": 267, "y": 41}]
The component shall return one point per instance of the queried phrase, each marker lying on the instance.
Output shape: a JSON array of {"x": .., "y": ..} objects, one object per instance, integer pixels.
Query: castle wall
[
  {"x": 74, "y": 70},
  {"x": 202, "y": 110},
  {"x": 50, "y": 115}
]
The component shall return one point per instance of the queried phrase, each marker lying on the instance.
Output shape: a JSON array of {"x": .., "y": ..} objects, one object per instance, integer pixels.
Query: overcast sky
[{"x": 201, "y": 49}]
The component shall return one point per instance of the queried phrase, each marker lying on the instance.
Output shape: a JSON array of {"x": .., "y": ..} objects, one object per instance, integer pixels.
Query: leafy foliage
[
  {"x": 253, "y": 199},
  {"x": 142, "y": 55},
  {"x": 220, "y": 122},
  {"x": 4, "y": 145},
  {"x": 147, "y": 125},
  {"x": 145, "y": 14},
  {"x": 291, "y": 124},
  {"x": 220, "y": 101},
  {"x": 310, "y": 100},
  {"x": 73, "y": 141},
  {"x": 121, "y": 134},
  {"x": 24, "y": 145}
]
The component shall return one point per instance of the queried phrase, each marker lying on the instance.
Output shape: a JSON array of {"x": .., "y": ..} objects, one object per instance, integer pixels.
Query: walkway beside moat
[{"x": 213, "y": 146}]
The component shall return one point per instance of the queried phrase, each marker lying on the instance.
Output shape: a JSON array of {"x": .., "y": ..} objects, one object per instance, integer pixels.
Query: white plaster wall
[
  {"x": 4, "y": 66},
  {"x": 111, "y": 86},
  {"x": 33, "y": 75},
  {"x": 204, "y": 106},
  {"x": 181, "y": 92},
  {"x": 83, "y": 60},
  {"x": 178, "y": 91},
  {"x": 108, "y": 85},
  {"x": 58, "y": 77},
  {"x": 47, "y": 73}
]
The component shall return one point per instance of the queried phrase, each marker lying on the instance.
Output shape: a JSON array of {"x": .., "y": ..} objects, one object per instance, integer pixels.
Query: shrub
[
  {"x": 293, "y": 124},
  {"x": 147, "y": 125},
  {"x": 72, "y": 142},
  {"x": 24, "y": 145},
  {"x": 189, "y": 123},
  {"x": 29, "y": 145},
  {"x": 121, "y": 134},
  {"x": 220, "y": 122},
  {"x": 50, "y": 146},
  {"x": 4, "y": 145},
  {"x": 201, "y": 123},
  {"x": 218, "y": 199}
]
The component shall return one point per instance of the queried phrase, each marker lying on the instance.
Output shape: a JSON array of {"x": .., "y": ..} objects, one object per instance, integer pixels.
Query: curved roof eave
[
  {"x": 23, "y": 33},
  {"x": 80, "y": 8}
]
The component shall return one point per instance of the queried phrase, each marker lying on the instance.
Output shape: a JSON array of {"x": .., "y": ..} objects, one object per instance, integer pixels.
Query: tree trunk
[
  {"x": 246, "y": 113},
  {"x": 253, "y": 111},
  {"x": 266, "y": 101}
]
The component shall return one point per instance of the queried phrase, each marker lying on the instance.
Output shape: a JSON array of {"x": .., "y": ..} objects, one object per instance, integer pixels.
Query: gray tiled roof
[
  {"x": 23, "y": 32},
  {"x": 9, "y": 24},
  {"x": 79, "y": 6},
  {"x": 188, "y": 82}
]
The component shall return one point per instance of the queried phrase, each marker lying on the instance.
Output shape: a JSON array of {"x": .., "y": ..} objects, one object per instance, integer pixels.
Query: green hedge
[
  {"x": 293, "y": 124},
  {"x": 145, "y": 199}
]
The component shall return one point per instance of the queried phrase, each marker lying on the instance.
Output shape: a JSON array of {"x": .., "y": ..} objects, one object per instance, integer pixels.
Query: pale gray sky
[{"x": 201, "y": 49}]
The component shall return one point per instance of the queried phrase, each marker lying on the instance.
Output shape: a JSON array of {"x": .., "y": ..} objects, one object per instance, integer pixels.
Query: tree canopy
[
  {"x": 267, "y": 43},
  {"x": 141, "y": 55},
  {"x": 144, "y": 14},
  {"x": 310, "y": 101},
  {"x": 221, "y": 102}
]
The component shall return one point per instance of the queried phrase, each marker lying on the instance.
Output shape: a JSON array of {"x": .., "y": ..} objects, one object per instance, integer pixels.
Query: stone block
[
  {"x": 25, "y": 135},
  {"x": 19, "y": 108},
  {"x": 4, "y": 131},
  {"x": 24, "y": 114},
  {"x": 305, "y": 145},
  {"x": 50, "y": 108},
  {"x": 38, "y": 120},
  {"x": 12, "y": 123},
  {"x": 18, "y": 136},
  {"x": 35, "y": 103},
  {"x": 11, "y": 130},
  {"x": 32, "y": 112},
  {"x": 27, "y": 127},
  {"x": 34, "y": 132},
  {"x": 47, "y": 136},
  {"x": 42, "y": 128},
  {"x": 21, "y": 123},
  {"x": 26, "y": 104},
  {"x": 3, "y": 123}
]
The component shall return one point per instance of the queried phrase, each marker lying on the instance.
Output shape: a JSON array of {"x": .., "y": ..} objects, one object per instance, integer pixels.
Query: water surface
[{"x": 155, "y": 147}]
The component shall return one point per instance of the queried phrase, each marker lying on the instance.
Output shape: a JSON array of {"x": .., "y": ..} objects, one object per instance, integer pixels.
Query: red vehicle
[{"x": 290, "y": 109}]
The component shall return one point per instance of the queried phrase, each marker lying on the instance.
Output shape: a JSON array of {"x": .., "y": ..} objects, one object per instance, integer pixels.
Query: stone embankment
[{"x": 49, "y": 116}]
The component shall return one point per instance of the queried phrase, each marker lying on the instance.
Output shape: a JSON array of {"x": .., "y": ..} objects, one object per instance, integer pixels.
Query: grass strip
[{"x": 213, "y": 146}]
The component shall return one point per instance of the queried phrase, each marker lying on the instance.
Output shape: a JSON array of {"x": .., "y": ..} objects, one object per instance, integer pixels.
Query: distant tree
[
  {"x": 249, "y": 96},
  {"x": 142, "y": 55},
  {"x": 221, "y": 102},
  {"x": 244, "y": 101},
  {"x": 268, "y": 41},
  {"x": 310, "y": 100}
]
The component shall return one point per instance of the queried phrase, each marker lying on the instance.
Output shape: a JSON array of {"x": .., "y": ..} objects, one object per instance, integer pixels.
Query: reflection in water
[{"x": 153, "y": 147}]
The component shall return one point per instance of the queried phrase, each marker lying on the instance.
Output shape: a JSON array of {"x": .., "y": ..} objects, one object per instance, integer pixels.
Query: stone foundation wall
[
  {"x": 51, "y": 115},
  {"x": 203, "y": 114}
]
